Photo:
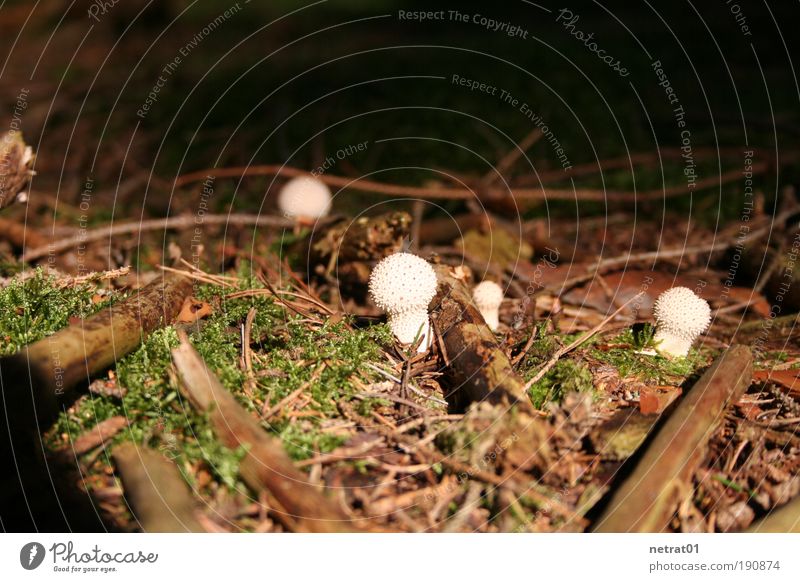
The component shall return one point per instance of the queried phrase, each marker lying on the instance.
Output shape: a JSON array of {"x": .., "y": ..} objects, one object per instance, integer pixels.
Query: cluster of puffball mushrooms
[{"x": 404, "y": 284}]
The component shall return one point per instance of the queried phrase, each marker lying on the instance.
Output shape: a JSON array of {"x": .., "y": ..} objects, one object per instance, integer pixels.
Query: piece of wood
[
  {"x": 363, "y": 239},
  {"x": 785, "y": 519},
  {"x": 44, "y": 378},
  {"x": 476, "y": 369},
  {"x": 41, "y": 379},
  {"x": 16, "y": 160},
  {"x": 646, "y": 501},
  {"x": 156, "y": 492},
  {"x": 265, "y": 467},
  {"x": 96, "y": 436}
]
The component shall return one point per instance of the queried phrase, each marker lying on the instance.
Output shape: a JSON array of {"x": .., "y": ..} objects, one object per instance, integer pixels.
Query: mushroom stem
[
  {"x": 492, "y": 318},
  {"x": 408, "y": 326},
  {"x": 672, "y": 344}
]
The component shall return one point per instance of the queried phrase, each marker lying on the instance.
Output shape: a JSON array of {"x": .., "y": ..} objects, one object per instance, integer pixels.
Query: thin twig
[{"x": 171, "y": 223}]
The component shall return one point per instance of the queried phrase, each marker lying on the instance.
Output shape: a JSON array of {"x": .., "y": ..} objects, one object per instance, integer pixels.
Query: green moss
[
  {"x": 566, "y": 376},
  {"x": 36, "y": 307},
  {"x": 622, "y": 355},
  {"x": 290, "y": 353}
]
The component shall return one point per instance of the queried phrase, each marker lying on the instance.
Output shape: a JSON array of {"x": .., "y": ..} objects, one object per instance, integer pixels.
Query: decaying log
[
  {"x": 155, "y": 490},
  {"x": 363, "y": 239},
  {"x": 348, "y": 249},
  {"x": 42, "y": 379},
  {"x": 646, "y": 501},
  {"x": 785, "y": 519},
  {"x": 39, "y": 380},
  {"x": 619, "y": 437},
  {"x": 16, "y": 160},
  {"x": 265, "y": 467},
  {"x": 476, "y": 369}
]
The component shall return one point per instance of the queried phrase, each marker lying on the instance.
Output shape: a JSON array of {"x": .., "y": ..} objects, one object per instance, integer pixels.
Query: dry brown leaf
[
  {"x": 193, "y": 310},
  {"x": 656, "y": 399},
  {"x": 16, "y": 159},
  {"x": 788, "y": 379}
]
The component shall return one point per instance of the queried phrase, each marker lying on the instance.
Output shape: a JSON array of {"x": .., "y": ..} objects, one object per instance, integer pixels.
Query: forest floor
[{"x": 281, "y": 317}]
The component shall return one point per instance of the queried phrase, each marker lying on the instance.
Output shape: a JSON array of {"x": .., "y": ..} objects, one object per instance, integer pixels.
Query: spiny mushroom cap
[
  {"x": 402, "y": 282},
  {"x": 305, "y": 196},
  {"x": 682, "y": 312},
  {"x": 487, "y": 295}
]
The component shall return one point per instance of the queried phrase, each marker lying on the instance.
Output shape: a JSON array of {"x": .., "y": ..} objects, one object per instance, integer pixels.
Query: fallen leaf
[
  {"x": 193, "y": 310},
  {"x": 788, "y": 379},
  {"x": 656, "y": 399}
]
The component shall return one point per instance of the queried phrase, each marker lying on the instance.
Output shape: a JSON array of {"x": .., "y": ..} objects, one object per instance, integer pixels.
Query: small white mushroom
[
  {"x": 488, "y": 296},
  {"x": 403, "y": 285},
  {"x": 305, "y": 197},
  {"x": 681, "y": 316}
]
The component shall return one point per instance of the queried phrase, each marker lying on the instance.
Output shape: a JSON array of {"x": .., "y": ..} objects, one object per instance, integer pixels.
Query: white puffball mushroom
[
  {"x": 488, "y": 296},
  {"x": 305, "y": 197},
  {"x": 403, "y": 285},
  {"x": 681, "y": 316}
]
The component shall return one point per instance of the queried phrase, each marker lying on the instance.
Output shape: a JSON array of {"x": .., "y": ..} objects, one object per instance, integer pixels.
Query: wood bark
[
  {"x": 16, "y": 160},
  {"x": 646, "y": 501},
  {"x": 42, "y": 378},
  {"x": 785, "y": 519},
  {"x": 265, "y": 467},
  {"x": 159, "y": 497},
  {"x": 475, "y": 368}
]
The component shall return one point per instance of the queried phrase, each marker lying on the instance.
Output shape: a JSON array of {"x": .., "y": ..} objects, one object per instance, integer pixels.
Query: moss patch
[{"x": 37, "y": 306}]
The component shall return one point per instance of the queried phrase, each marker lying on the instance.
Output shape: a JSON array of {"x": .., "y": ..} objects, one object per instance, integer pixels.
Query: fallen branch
[
  {"x": 476, "y": 369},
  {"x": 785, "y": 519},
  {"x": 95, "y": 437},
  {"x": 172, "y": 223},
  {"x": 488, "y": 195},
  {"x": 265, "y": 467},
  {"x": 156, "y": 492},
  {"x": 41, "y": 379},
  {"x": 647, "y": 500},
  {"x": 395, "y": 190}
]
